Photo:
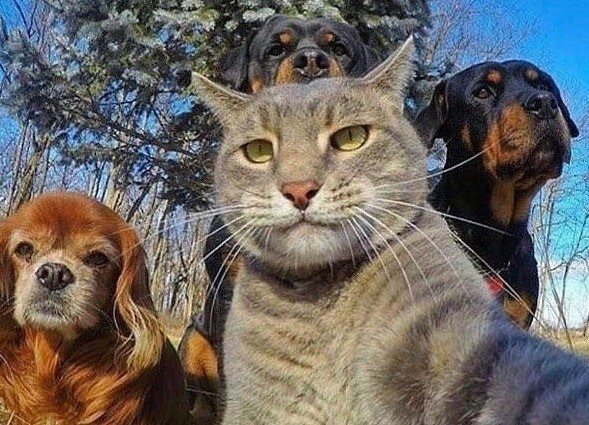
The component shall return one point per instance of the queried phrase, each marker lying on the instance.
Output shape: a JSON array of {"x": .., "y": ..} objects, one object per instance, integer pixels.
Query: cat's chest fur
[
  {"x": 328, "y": 358},
  {"x": 303, "y": 360}
]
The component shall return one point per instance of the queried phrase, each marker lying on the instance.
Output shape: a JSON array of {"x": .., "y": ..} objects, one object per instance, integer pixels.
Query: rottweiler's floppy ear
[
  {"x": 370, "y": 59},
  {"x": 567, "y": 116},
  {"x": 430, "y": 121},
  {"x": 234, "y": 67},
  {"x": 372, "y": 56},
  {"x": 565, "y": 112}
]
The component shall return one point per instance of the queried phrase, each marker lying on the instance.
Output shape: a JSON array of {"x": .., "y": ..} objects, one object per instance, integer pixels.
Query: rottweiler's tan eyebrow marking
[
  {"x": 493, "y": 76},
  {"x": 285, "y": 37},
  {"x": 328, "y": 37},
  {"x": 532, "y": 75}
]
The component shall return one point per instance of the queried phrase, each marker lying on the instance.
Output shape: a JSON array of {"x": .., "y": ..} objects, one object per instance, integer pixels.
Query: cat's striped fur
[{"x": 361, "y": 309}]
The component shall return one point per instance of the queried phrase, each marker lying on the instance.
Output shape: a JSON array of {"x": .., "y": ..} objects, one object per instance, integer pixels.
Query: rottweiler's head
[
  {"x": 510, "y": 111},
  {"x": 291, "y": 50}
]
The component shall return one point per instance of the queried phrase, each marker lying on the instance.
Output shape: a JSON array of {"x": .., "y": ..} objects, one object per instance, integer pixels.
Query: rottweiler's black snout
[
  {"x": 311, "y": 62},
  {"x": 542, "y": 105}
]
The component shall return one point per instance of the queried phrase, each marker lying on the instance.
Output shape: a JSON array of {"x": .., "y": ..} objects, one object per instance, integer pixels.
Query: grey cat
[{"x": 356, "y": 306}]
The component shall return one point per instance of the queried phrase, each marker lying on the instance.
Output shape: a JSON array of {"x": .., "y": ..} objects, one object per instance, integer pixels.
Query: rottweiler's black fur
[
  {"x": 284, "y": 50},
  {"x": 507, "y": 132}
]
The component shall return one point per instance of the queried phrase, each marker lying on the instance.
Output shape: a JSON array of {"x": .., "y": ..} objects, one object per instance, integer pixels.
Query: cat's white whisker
[
  {"x": 225, "y": 264},
  {"x": 509, "y": 289},
  {"x": 391, "y": 251},
  {"x": 267, "y": 238},
  {"x": 229, "y": 259},
  {"x": 433, "y": 211},
  {"x": 227, "y": 239},
  {"x": 221, "y": 244},
  {"x": 400, "y": 242},
  {"x": 439, "y": 173},
  {"x": 220, "y": 228},
  {"x": 215, "y": 284},
  {"x": 254, "y": 194},
  {"x": 426, "y": 237},
  {"x": 194, "y": 217},
  {"x": 386, "y": 188},
  {"x": 353, "y": 257},
  {"x": 359, "y": 238},
  {"x": 421, "y": 232}
]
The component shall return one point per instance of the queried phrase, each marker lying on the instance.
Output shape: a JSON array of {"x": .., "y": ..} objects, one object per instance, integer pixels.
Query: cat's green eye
[
  {"x": 349, "y": 138},
  {"x": 258, "y": 151}
]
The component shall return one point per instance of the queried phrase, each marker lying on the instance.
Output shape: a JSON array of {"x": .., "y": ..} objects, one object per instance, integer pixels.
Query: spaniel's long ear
[
  {"x": 6, "y": 271},
  {"x": 134, "y": 306}
]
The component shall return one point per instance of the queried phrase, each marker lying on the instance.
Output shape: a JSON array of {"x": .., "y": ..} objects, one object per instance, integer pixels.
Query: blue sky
[{"x": 560, "y": 44}]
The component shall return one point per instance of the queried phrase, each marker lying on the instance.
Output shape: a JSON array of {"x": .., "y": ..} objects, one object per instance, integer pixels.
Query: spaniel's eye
[
  {"x": 258, "y": 151},
  {"x": 275, "y": 50},
  {"x": 339, "y": 49},
  {"x": 349, "y": 138},
  {"x": 25, "y": 250},
  {"x": 96, "y": 259},
  {"x": 483, "y": 93}
]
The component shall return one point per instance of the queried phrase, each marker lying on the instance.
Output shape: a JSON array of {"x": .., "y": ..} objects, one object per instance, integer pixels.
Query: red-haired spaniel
[{"x": 79, "y": 339}]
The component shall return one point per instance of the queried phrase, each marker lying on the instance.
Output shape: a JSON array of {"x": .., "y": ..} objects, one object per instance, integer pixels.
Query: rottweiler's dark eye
[
  {"x": 483, "y": 93},
  {"x": 543, "y": 86},
  {"x": 339, "y": 49},
  {"x": 96, "y": 259},
  {"x": 25, "y": 250},
  {"x": 275, "y": 50}
]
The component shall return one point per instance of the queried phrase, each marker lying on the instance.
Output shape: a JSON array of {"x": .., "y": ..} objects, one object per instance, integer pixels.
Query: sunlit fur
[
  {"x": 362, "y": 310},
  {"x": 92, "y": 352}
]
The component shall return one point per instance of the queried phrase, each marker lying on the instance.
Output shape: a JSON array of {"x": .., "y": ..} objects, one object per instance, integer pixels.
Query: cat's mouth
[
  {"x": 309, "y": 220},
  {"x": 305, "y": 222}
]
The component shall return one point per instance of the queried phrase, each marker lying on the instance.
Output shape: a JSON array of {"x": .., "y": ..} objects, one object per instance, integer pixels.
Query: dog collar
[{"x": 495, "y": 285}]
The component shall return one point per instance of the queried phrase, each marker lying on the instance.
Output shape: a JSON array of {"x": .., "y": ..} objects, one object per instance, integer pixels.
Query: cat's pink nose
[{"x": 300, "y": 193}]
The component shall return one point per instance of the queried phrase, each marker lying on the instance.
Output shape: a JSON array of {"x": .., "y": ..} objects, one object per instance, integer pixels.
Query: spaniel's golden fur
[{"x": 79, "y": 339}]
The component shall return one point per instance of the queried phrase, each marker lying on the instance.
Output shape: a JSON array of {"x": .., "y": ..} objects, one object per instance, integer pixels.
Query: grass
[
  {"x": 579, "y": 342},
  {"x": 6, "y": 417}
]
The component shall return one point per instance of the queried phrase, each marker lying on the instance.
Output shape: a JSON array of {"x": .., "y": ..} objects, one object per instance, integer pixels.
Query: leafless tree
[{"x": 560, "y": 227}]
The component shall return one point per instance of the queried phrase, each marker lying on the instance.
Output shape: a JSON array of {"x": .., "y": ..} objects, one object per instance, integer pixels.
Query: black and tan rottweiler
[
  {"x": 507, "y": 132},
  {"x": 284, "y": 50},
  {"x": 291, "y": 50}
]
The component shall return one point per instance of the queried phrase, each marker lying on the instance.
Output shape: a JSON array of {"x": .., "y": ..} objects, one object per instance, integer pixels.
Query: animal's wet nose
[
  {"x": 54, "y": 276},
  {"x": 542, "y": 104},
  {"x": 311, "y": 62},
  {"x": 300, "y": 193}
]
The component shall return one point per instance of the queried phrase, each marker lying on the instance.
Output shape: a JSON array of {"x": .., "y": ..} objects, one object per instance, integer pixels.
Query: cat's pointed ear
[
  {"x": 220, "y": 99},
  {"x": 394, "y": 74}
]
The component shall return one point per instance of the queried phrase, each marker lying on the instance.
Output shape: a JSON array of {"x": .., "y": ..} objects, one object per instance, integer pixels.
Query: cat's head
[{"x": 318, "y": 173}]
